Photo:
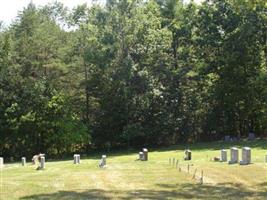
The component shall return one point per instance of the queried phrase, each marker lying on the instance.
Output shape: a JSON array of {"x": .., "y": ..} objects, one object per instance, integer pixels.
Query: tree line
[{"x": 130, "y": 73}]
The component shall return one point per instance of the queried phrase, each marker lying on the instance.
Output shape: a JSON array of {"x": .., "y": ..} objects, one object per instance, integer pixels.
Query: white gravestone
[
  {"x": 104, "y": 159},
  {"x": 246, "y": 156},
  {"x": 102, "y": 162},
  {"x": 23, "y": 161},
  {"x": 223, "y": 155},
  {"x": 76, "y": 159},
  {"x": 141, "y": 155},
  {"x": 1, "y": 162},
  {"x": 234, "y": 155},
  {"x": 145, "y": 151},
  {"x": 79, "y": 159},
  {"x": 42, "y": 166}
]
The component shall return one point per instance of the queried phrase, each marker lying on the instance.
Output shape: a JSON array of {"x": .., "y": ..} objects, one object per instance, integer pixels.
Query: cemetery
[
  {"x": 165, "y": 174},
  {"x": 133, "y": 99}
]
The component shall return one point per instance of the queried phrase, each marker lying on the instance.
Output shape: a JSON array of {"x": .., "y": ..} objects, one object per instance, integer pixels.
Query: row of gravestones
[
  {"x": 102, "y": 163},
  {"x": 234, "y": 156},
  {"x": 76, "y": 160},
  {"x": 228, "y": 138},
  {"x": 246, "y": 156},
  {"x": 23, "y": 162}
]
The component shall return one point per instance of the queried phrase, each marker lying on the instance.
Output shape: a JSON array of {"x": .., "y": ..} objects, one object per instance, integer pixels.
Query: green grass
[{"x": 125, "y": 178}]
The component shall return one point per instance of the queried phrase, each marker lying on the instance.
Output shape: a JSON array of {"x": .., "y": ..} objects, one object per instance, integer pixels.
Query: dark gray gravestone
[
  {"x": 188, "y": 154},
  {"x": 251, "y": 136},
  {"x": 227, "y": 138}
]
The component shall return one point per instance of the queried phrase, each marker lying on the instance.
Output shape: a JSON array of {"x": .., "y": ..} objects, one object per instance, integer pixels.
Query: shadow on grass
[{"x": 166, "y": 191}]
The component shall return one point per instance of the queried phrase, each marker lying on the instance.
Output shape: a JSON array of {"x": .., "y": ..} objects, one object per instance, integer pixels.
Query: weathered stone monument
[
  {"x": 246, "y": 156},
  {"x": 37, "y": 158},
  {"x": 42, "y": 163},
  {"x": 141, "y": 155},
  {"x": 103, "y": 161},
  {"x": 23, "y": 161},
  {"x": 1, "y": 162},
  {"x": 234, "y": 155},
  {"x": 223, "y": 155},
  {"x": 104, "y": 158},
  {"x": 76, "y": 159},
  {"x": 145, "y": 152},
  {"x": 188, "y": 154}
]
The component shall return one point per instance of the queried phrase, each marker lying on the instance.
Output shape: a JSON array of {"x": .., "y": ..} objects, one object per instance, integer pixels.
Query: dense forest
[{"x": 130, "y": 73}]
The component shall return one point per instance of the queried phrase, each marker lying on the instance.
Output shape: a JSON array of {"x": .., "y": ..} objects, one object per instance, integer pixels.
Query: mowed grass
[{"x": 126, "y": 178}]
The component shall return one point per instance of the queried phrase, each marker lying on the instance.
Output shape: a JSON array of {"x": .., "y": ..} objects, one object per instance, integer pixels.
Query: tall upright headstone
[
  {"x": 104, "y": 159},
  {"x": 145, "y": 151},
  {"x": 42, "y": 164},
  {"x": 76, "y": 159},
  {"x": 223, "y": 155},
  {"x": 234, "y": 155},
  {"x": 246, "y": 156},
  {"x": 1, "y": 162},
  {"x": 188, "y": 154},
  {"x": 23, "y": 161},
  {"x": 79, "y": 159}
]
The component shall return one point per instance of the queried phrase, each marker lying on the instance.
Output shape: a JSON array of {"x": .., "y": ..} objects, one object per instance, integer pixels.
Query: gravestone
[
  {"x": 42, "y": 164},
  {"x": 234, "y": 155},
  {"x": 251, "y": 136},
  {"x": 79, "y": 159},
  {"x": 223, "y": 155},
  {"x": 103, "y": 161},
  {"x": 145, "y": 151},
  {"x": 23, "y": 161},
  {"x": 188, "y": 154},
  {"x": 246, "y": 156},
  {"x": 227, "y": 138},
  {"x": 141, "y": 155},
  {"x": 104, "y": 158},
  {"x": 266, "y": 158},
  {"x": 76, "y": 159},
  {"x": 1, "y": 162}
]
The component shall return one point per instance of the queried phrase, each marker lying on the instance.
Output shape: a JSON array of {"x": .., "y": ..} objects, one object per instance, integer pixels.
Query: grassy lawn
[{"x": 125, "y": 178}]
